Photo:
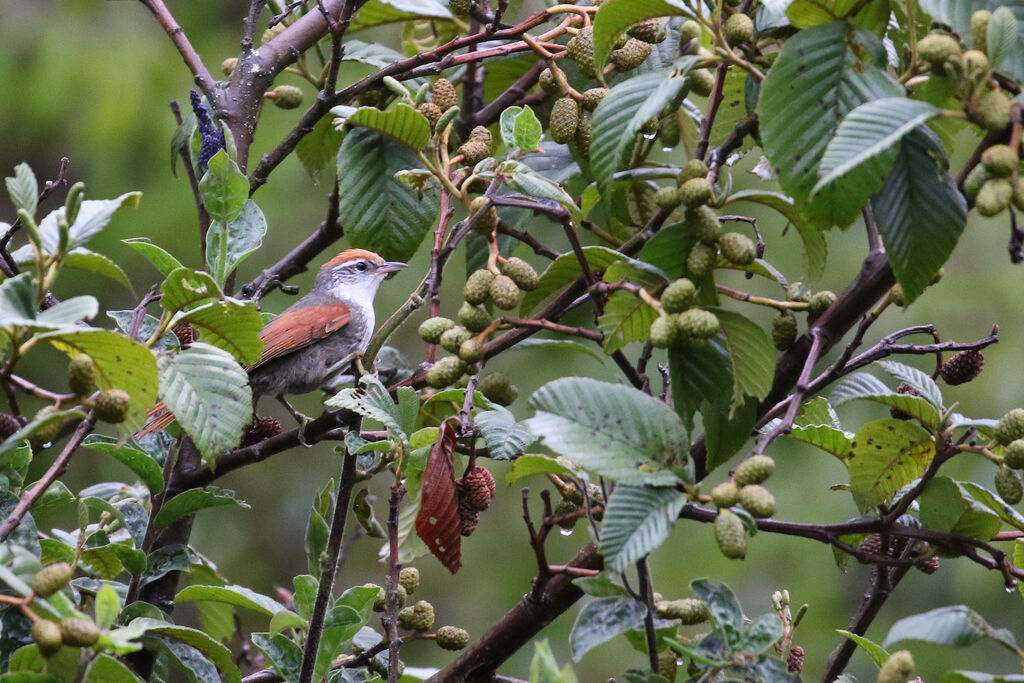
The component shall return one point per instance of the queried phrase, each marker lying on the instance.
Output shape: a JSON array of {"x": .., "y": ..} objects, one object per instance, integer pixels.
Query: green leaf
[
  {"x": 214, "y": 651},
  {"x": 239, "y": 596},
  {"x": 377, "y": 12},
  {"x": 600, "y": 587},
  {"x": 947, "y": 508},
  {"x": 144, "y": 466},
  {"x": 829, "y": 439},
  {"x": 372, "y": 400},
  {"x": 231, "y": 325},
  {"x": 380, "y": 213},
  {"x": 821, "y": 74},
  {"x": 559, "y": 345},
  {"x": 225, "y": 189},
  {"x": 886, "y": 456},
  {"x": 158, "y": 256},
  {"x": 566, "y": 269},
  {"x": 700, "y": 375},
  {"x": 871, "y": 130},
  {"x": 531, "y": 464},
  {"x": 619, "y": 117},
  {"x": 919, "y": 381},
  {"x": 636, "y": 521},
  {"x": 603, "y": 619},
  {"x": 317, "y": 150},
  {"x": 228, "y": 244},
  {"x": 209, "y": 394},
  {"x": 18, "y": 301},
  {"x": 993, "y": 502},
  {"x": 751, "y": 353},
  {"x": 56, "y": 495},
  {"x": 68, "y": 312},
  {"x": 378, "y": 55},
  {"x": 920, "y": 212},
  {"x": 727, "y": 429},
  {"x": 108, "y": 605},
  {"x": 403, "y": 123},
  {"x": 616, "y": 431},
  {"x": 864, "y": 386},
  {"x": 527, "y": 130},
  {"x": 1001, "y": 36},
  {"x": 522, "y": 178},
  {"x": 877, "y": 653},
  {"x": 106, "y": 669},
  {"x": 184, "y": 287},
  {"x": 726, "y": 613},
  {"x": 627, "y": 318},
  {"x": 616, "y": 16},
  {"x": 91, "y": 262},
  {"x": 189, "y": 502},
  {"x": 952, "y": 626},
  {"x": 505, "y": 438},
  {"x": 283, "y": 654},
  {"x": 23, "y": 188},
  {"x": 120, "y": 364},
  {"x": 544, "y": 667},
  {"x": 188, "y": 660},
  {"x": 17, "y": 439}
]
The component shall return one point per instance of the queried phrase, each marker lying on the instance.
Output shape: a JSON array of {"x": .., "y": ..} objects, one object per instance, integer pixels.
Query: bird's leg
[
  {"x": 303, "y": 420},
  {"x": 360, "y": 369}
]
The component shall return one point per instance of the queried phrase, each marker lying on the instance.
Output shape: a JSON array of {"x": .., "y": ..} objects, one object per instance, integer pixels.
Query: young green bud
[
  {"x": 897, "y": 668},
  {"x": 112, "y": 405}
]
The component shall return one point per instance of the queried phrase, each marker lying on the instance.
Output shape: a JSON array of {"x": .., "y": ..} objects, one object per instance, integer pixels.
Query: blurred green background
[{"x": 92, "y": 79}]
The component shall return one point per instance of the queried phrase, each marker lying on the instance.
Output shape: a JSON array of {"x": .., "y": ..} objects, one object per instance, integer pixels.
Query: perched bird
[{"x": 316, "y": 337}]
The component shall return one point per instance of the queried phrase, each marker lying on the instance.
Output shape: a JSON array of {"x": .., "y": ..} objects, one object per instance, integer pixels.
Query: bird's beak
[{"x": 390, "y": 266}]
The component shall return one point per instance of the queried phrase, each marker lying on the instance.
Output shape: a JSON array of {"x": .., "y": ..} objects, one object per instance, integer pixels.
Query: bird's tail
[{"x": 160, "y": 417}]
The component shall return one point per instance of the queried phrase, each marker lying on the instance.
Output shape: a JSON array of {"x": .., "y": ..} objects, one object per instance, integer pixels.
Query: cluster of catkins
[{"x": 746, "y": 490}]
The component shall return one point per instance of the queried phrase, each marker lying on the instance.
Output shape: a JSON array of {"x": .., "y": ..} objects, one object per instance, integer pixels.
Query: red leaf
[{"x": 437, "y": 524}]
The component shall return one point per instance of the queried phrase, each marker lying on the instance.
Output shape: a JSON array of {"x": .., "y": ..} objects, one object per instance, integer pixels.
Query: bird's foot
[{"x": 303, "y": 421}]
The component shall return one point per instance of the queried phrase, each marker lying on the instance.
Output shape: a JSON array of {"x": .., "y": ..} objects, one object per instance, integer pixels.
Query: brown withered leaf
[{"x": 437, "y": 523}]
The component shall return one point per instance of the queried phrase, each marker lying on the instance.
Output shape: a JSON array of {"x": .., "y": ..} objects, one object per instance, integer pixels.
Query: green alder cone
[
  {"x": 979, "y": 29},
  {"x": 697, "y": 323},
  {"x": 648, "y": 31},
  {"x": 47, "y": 636},
  {"x": 473, "y": 318},
  {"x": 592, "y": 98},
  {"x": 548, "y": 83},
  {"x": 1014, "y": 456},
  {"x": 739, "y": 28},
  {"x": 784, "y": 330},
  {"x": 478, "y": 287},
  {"x": 820, "y": 302},
  {"x": 974, "y": 181},
  {"x": 938, "y": 48},
  {"x": 49, "y": 431},
  {"x": 487, "y": 221},
  {"x": 409, "y": 578},
  {"x": 664, "y": 332},
  {"x": 431, "y": 329},
  {"x": 432, "y": 112},
  {"x": 584, "y": 132},
  {"x": 991, "y": 112},
  {"x": 694, "y": 168},
  {"x": 77, "y": 632},
  {"x": 452, "y": 638},
  {"x": 701, "y": 81},
  {"x": 444, "y": 94},
  {"x": 581, "y": 50},
  {"x": 737, "y": 248},
  {"x": 705, "y": 224},
  {"x": 678, "y": 296},
  {"x": 897, "y": 668},
  {"x": 460, "y": 8},
  {"x": 667, "y": 664},
  {"x": 702, "y": 259},
  {"x": 497, "y": 388},
  {"x": 666, "y": 197},
  {"x": 695, "y": 192},
  {"x": 565, "y": 118},
  {"x": 452, "y": 338},
  {"x": 1008, "y": 485},
  {"x": 754, "y": 470},
  {"x": 505, "y": 292},
  {"x": 471, "y": 350},
  {"x": 81, "y": 375},
  {"x": 419, "y": 617},
  {"x": 51, "y": 579},
  {"x": 445, "y": 372},
  {"x": 757, "y": 500},
  {"x": 999, "y": 160},
  {"x": 669, "y": 130},
  {"x": 725, "y": 495},
  {"x": 730, "y": 535},
  {"x": 631, "y": 55},
  {"x": 286, "y": 97},
  {"x": 1010, "y": 427},
  {"x": 689, "y": 611},
  {"x": 994, "y": 197},
  {"x": 522, "y": 273},
  {"x": 689, "y": 30}
]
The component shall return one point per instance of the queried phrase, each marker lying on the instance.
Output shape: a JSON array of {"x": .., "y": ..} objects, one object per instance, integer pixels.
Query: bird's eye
[{"x": 361, "y": 266}]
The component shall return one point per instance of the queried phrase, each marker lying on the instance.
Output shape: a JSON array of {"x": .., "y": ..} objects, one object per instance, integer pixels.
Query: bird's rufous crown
[{"x": 353, "y": 255}]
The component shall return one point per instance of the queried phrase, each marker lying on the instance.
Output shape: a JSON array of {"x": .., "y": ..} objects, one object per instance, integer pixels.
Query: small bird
[{"x": 316, "y": 337}]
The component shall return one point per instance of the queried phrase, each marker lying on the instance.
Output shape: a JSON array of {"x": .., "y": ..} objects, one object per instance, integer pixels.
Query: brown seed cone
[
  {"x": 962, "y": 367},
  {"x": 795, "y": 660},
  {"x": 478, "y": 488},
  {"x": 261, "y": 428},
  {"x": 444, "y": 94},
  {"x": 468, "y": 516},
  {"x": 898, "y": 414},
  {"x": 8, "y": 425},
  {"x": 872, "y": 544},
  {"x": 929, "y": 565},
  {"x": 186, "y": 334}
]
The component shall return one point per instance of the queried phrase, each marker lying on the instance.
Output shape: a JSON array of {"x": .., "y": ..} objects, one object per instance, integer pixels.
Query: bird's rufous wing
[{"x": 293, "y": 330}]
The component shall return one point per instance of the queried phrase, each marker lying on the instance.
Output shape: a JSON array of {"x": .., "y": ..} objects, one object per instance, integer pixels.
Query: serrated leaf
[
  {"x": 751, "y": 354},
  {"x": 947, "y": 508},
  {"x": 377, "y": 12},
  {"x": 636, "y": 521},
  {"x": 228, "y": 244},
  {"x": 870, "y": 131},
  {"x": 524, "y": 179},
  {"x": 993, "y": 502},
  {"x": 158, "y": 256},
  {"x": 209, "y": 394},
  {"x": 700, "y": 375},
  {"x": 214, "y": 651},
  {"x": 531, "y": 464},
  {"x": 23, "y": 188},
  {"x": 952, "y": 626},
  {"x": 614, "y": 17},
  {"x": 231, "y": 325},
  {"x": 920, "y": 212},
  {"x": 831, "y": 440},
  {"x": 627, "y": 318},
  {"x": 403, "y": 123},
  {"x": 566, "y": 269},
  {"x": 189, "y": 502},
  {"x": 619, "y": 117},
  {"x": 147, "y": 469},
  {"x": 378, "y": 55},
  {"x": 120, "y": 364},
  {"x": 526, "y": 130},
  {"x": 919, "y": 381},
  {"x": 1001, "y": 36},
  {"x": 185, "y": 287},
  {"x": 317, "y": 150},
  {"x": 239, "y": 596},
  {"x": 602, "y": 620},
  {"x": 616, "y": 431},
  {"x": 92, "y": 262},
  {"x": 380, "y": 213},
  {"x": 225, "y": 189},
  {"x": 861, "y": 385},
  {"x": 505, "y": 438},
  {"x": 886, "y": 455},
  {"x": 822, "y": 73},
  {"x": 371, "y": 400}
]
